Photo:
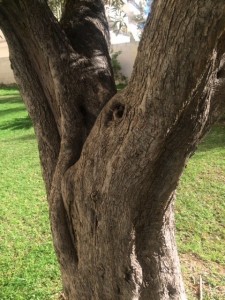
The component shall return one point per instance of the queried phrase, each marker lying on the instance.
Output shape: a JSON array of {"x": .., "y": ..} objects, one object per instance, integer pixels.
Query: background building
[{"x": 6, "y": 74}]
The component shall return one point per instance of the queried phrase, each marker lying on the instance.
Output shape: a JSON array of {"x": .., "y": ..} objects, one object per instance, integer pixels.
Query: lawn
[
  {"x": 200, "y": 217},
  {"x": 28, "y": 268}
]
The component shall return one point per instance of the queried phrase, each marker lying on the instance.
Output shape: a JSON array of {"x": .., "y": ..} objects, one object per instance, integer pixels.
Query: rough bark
[{"x": 111, "y": 165}]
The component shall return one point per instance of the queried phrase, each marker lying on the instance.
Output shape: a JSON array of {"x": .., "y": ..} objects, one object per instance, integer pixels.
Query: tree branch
[
  {"x": 64, "y": 89},
  {"x": 76, "y": 85},
  {"x": 34, "y": 96},
  {"x": 85, "y": 25},
  {"x": 145, "y": 134},
  {"x": 156, "y": 107}
]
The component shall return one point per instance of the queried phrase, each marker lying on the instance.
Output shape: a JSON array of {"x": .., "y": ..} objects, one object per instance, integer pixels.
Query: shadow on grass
[
  {"x": 8, "y": 87},
  {"x": 17, "y": 124},
  {"x": 11, "y": 110},
  {"x": 10, "y": 99},
  {"x": 24, "y": 138}
]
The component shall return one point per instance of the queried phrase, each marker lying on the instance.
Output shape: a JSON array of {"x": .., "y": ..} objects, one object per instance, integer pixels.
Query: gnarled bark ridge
[{"x": 111, "y": 162}]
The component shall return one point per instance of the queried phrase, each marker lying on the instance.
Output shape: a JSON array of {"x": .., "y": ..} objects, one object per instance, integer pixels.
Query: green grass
[
  {"x": 201, "y": 213},
  {"x": 202, "y": 191},
  {"x": 28, "y": 268}
]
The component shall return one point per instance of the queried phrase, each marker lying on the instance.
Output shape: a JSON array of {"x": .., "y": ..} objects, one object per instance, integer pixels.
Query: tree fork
[{"x": 55, "y": 59}]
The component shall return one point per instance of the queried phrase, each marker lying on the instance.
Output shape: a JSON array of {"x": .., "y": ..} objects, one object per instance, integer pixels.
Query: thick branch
[
  {"x": 178, "y": 37},
  {"x": 86, "y": 27},
  {"x": 144, "y": 136},
  {"x": 64, "y": 90},
  {"x": 35, "y": 97},
  {"x": 145, "y": 120},
  {"x": 76, "y": 84}
]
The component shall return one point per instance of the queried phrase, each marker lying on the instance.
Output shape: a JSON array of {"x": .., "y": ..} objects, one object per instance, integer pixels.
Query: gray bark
[{"x": 112, "y": 164}]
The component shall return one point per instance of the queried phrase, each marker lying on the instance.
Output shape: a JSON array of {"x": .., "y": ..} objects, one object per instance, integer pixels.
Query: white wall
[
  {"x": 127, "y": 57},
  {"x": 4, "y": 52},
  {"x": 6, "y": 74}
]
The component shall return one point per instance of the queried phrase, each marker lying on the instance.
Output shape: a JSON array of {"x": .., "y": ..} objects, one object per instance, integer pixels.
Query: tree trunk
[{"x": 111, "y": 165}]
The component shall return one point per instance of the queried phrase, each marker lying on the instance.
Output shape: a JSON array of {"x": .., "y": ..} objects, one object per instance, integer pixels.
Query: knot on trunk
[{"x": 115, "y": 113}]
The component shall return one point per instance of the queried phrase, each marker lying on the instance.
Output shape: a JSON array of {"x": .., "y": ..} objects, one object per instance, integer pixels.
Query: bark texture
[{"x": 111, "y": 165}]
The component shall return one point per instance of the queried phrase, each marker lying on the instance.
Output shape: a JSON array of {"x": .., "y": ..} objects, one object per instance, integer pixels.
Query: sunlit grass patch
[
  {"x": 28, "y": 267},
  {"x": 200, "y": 212}
]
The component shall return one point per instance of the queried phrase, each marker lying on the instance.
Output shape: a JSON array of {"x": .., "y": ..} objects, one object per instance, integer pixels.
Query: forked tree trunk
[{"x": 111, "y": 165}]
